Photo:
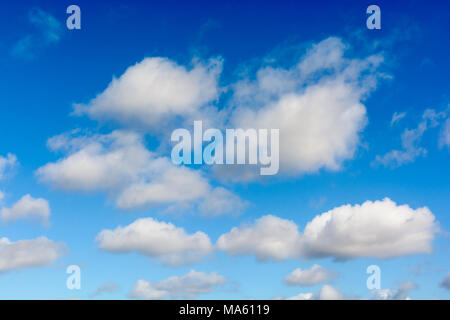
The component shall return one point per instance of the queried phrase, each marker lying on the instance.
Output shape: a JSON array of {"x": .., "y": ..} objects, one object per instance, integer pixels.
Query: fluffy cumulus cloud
[
  {"x": 154, "y": 91},
  {"x": 7, "y": 163},
  {"x": 119, "y": 164},
  {"x": 27, "y": 208},
  {"x": 445, "y": 283},
  {"x": 309, "y": 277},
  {"x": 317, "y": 104},
  {"x": 173, "y": 245},
  {"x": 188, "y": 286},
  {"x": 445, "y": 134},
  {"x": 380, "y": 229},
  {"x": 28, "y": 253},
  {"x": 401, "y": 293}
]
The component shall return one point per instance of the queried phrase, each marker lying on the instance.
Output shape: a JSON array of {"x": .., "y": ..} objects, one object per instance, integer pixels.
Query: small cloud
[
  {"x": 47, "y": 31},
  {"x": 396, "y": 117},
  {"x": 445, "y": 283},
  {"x": 108, "y": 287}
]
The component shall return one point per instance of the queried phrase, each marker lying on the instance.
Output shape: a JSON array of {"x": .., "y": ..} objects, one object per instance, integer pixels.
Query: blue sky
[{"x": 227, "y": 64}]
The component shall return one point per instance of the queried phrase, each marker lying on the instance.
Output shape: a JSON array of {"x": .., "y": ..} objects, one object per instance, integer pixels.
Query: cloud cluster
[
  {"x": 120, "y": 164},
  {"x": 380, "y": 229},
  {"x": 28, "y": 253},
  {"x": 309, "y": 277},
  {"x": 188, "y": 286},
  {"x": 157, "y": 240},
  {"x": 27, "y": 208}
]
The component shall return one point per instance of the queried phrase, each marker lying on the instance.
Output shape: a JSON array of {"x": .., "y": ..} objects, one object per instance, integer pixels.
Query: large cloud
[
  {"x": 316, "y": 104},
  {"x": 309, "y": 277},
  {"x": 380, "y": 229},
  {"x": 28, "y": 253},
  {"x": 120, "y": 164},
  {"x": 155, "y": 90},
  {"x": 27, "y": 208},
  {"x": 187, "y": 286},
  {"x": 157, "y": 240}
]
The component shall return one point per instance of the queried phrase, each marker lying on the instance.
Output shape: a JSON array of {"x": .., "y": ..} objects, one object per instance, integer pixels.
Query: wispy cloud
[{"x": 47, "y": 31}]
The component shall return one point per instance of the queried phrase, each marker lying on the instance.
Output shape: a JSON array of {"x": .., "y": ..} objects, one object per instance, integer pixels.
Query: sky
[{"x": 86, "y": 177}]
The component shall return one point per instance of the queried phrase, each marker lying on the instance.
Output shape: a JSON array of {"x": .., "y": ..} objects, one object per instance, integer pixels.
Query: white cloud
[
  {"x": 27, "y": 208},
  {"x": 154, "y": 91},
  {"x": 221, "y": 201},
  {"x": 108, "y": 287},
  {"x": 396, "y": 117},
  {"x": 47, "y": 31},
  {"x": 269, "y": 238},
  {"x": 28, "y": 253},
  {"x": 401, "y": 293},
  {"x": 309, "y": 277},
  {"x": 410, "y": 142},
  {"x": 157, "y": 240},
  {"x": 326, "y": 293},
  {"x": 120, "y": 164},
  {"x": 316, "y": 105},
  {"x": 330, "y": 293},
  {"x": 7, "y": 162},
  {"x": 188, "y": 286},
  {"x": 445, "y": 283},
  {"x": 379, "y": 229}
]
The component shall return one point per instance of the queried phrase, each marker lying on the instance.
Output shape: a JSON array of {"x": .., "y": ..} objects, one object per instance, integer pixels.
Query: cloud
[
  {"x": 188, "y": 286},
  {"x": 157, "y": 240},
  {"x": 401, "y": 293},
  {"x": 396, "y": 117},
  {"x": 221, "y": 201},
  {"x": 28, "y": 253},
  {"x": 379, "y": 229},
  {"x": 326, "y": 293},
  {"x": 119, "y": 164},
  {"x": 309, "y": 277},
  {"x": 316, "y": 104},
  {"x": 154, "y": 91},
  {"x": 445, "y": 283},
  {"x": 108, "y": 287},
  {"x": 269, "y": 238},
  {"x": 410, "y": 140},
  {"x": 7, "y": 162},
  {"x": 48, "y": 31},
  {"x": 27, "y": 208}
]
